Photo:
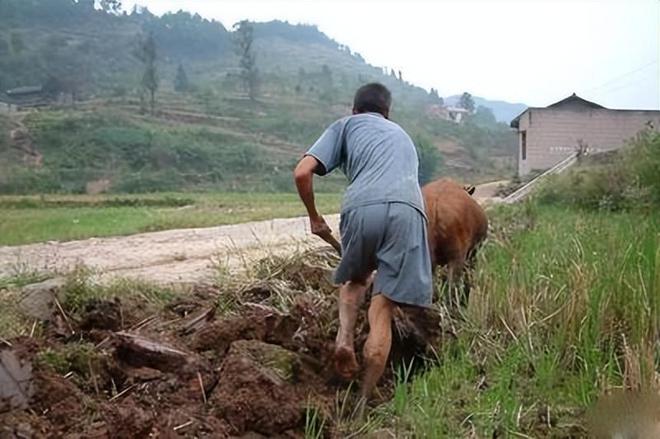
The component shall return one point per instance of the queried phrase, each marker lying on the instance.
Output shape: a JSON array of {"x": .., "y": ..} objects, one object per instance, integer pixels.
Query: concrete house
[
  {"x": 547, "y": 135},
  {"x": 451, "y": 114}
]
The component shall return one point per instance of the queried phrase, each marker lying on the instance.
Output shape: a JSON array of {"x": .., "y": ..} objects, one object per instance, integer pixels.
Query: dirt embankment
[{"x": 112, "y": 369}]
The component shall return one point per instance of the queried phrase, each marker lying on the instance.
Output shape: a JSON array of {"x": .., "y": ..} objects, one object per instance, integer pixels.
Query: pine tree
[
  {"x": 243, "y": 40},
  {"x": 147, "y": 53}
]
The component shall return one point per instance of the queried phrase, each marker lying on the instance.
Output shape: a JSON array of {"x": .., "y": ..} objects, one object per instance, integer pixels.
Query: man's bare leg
[
  {"x": 379, "y": 342},
  {"x": 351, "y": 296}
]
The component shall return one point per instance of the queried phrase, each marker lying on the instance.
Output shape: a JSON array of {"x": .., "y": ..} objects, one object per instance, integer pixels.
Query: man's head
[{"x": 372, "y": 98}]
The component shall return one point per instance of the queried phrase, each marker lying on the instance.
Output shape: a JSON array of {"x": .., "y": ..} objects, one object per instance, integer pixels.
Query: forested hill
[{"x": 203, "y": 132}]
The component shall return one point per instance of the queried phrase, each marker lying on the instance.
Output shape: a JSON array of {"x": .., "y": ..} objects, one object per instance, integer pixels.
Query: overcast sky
[{"x": 535, "y": 52}]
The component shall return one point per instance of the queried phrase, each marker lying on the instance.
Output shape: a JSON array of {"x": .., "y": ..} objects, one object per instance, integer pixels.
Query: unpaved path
[
  {"x": 172, "y": 256},
  {"x": 485, "y": 193},
  {"x": 175, "y": 256}
]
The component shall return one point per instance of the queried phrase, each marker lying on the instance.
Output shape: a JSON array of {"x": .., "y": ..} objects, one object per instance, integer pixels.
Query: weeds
[
  {"x": 629, "y": 180},
  {"x": 23, "y": 274},
  {"x": 80, "y": 288},
  {"x": 314, "y": 422},
  {"x": 12, "y": 320}
]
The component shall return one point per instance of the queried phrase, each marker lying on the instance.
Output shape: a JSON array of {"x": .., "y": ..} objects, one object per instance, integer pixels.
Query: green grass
[
  {"x": 626, "y": 179},
  {"x": 565, "y": 305},
  {"x": 79, "y": 289},
  {"x": 35, "y": 219}
]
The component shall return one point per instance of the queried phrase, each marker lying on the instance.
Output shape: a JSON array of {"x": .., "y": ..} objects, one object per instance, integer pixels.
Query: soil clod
[
  {"x": 15, "y": 381},
  {"x": 256, "y": 389},
  {"x": 101, "y": 314},
  {"x": 138, "y": 351}
]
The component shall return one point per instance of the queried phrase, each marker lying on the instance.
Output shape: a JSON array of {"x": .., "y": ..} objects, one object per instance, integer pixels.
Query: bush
[{"x": 630, "y": 180}]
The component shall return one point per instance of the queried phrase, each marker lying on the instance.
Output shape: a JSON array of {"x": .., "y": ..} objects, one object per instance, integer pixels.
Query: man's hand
[
  {"x": 321, "y": 229},
  {"x": 303, "y": 176},
  {"x": 318, "y": 226}
]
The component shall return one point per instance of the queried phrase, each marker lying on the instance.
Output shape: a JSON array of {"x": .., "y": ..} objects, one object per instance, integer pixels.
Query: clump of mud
[{"x": 193, "y": 371}]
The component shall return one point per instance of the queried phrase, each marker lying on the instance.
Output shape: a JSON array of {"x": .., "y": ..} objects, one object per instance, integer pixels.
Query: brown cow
[{"x": 457, "y": 225}]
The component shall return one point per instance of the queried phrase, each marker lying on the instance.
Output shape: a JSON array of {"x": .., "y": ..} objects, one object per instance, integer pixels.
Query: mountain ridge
[{"x": 210, "y": 136}]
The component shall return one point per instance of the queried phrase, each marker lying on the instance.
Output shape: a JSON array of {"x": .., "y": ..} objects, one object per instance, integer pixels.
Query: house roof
[
  {"x": 24, "y": 90},
  {"x": 457, "y": 110},
  {"x": 571, "y": 101},
  {"x": 575, "y": 99}
]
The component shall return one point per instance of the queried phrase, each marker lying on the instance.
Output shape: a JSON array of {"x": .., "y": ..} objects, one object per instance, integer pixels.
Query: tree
[
  {"x": 67, "y": 68},
  {"x": 147, "y": 53},
  {"x": 243, "y": 40},
  {"x": 436, "y": 98},
  {"x": 484, "y": 117},
  {"x": 181, "y": 83},
  {"x": 110, "y": 6},
  {"x": 466, "y": 102},
  {"x": 429, "y": 158}
]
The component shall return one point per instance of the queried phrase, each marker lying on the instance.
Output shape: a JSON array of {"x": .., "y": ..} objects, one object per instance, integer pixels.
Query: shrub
[{"x": 630, "y": 179}]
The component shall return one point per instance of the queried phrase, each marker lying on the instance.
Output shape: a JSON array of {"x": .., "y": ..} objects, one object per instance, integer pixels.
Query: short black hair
[{"x": 372, "y": 98}]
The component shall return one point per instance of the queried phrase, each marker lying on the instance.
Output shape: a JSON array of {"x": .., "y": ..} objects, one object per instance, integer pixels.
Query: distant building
[
  {"x": 549, "y": 134},
  {"x": 457, "y": 114},
  {"x": 24, "y": 97},
  {"x": 452, "y": 114}
]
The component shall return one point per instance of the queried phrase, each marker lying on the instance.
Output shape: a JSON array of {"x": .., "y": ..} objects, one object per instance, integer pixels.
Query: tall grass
[{"x": 565, "y": 305}]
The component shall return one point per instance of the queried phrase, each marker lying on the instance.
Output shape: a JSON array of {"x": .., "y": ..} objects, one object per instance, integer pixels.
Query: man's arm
[{"x": 304, "y": 176}]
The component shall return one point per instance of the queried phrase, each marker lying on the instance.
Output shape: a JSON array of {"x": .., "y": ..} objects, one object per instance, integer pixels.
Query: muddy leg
[
  {"x": 351, "y": 296},
  {"x": 379, "y": 342}
]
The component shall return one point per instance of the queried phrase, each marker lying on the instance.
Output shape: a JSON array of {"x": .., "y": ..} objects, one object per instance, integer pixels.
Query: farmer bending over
[{"x": 383, "y": 225}]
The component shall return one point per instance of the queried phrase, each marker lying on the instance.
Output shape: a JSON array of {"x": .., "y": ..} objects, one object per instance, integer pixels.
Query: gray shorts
[{"x": 390, "y": 238}]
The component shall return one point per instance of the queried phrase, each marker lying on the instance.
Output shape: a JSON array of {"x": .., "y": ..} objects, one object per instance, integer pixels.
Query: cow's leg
[
  {"x": 467, "y": 277},
  {"x": 455, "y": 279},
  {"x": 351, "y": 297},
  {"x": 379, "y": 342}
]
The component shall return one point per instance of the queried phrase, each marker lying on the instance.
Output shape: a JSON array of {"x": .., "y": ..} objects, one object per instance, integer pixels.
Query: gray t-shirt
[{"x": 376, "y": 155}]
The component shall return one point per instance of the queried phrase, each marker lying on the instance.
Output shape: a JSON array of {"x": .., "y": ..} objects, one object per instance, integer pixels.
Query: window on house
[{"x": 523, "y": 144}]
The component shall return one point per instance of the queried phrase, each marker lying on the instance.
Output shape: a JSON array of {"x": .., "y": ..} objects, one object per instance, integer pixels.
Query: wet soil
[{"x": 253, "y": 371}]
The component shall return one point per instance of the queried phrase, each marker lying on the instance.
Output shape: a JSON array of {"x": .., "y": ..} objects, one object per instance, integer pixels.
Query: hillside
[{"x": 210, "y": 136}]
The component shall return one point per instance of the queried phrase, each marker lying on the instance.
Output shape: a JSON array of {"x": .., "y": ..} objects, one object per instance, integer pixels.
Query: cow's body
[{"x": 457, "y": 225}]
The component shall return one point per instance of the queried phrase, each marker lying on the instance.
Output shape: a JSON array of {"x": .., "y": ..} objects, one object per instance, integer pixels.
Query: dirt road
[
  {"x": 485, "y": 193},
  {"x": 174, "y": 256}
]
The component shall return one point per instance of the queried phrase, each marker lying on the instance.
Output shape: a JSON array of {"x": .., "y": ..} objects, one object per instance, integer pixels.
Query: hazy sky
[{"x": 535, "y": 52}]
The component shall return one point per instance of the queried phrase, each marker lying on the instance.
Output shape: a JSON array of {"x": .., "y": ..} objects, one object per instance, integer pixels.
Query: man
[{"x": 383, "y": 225}]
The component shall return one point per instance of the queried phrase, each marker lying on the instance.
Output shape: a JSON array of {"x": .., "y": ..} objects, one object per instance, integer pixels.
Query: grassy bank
[
  {"x": 566, "y": 305},
  {"x": 34, "y": 219}
]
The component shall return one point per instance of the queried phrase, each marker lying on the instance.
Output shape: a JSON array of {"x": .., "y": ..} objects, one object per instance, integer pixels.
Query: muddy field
[{"x": 244, "y": 359}]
